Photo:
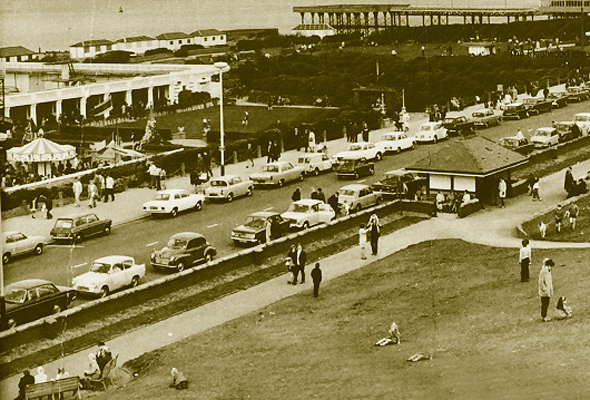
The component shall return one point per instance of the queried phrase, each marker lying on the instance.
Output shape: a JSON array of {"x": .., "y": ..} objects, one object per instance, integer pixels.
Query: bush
[{"x": 160, "y": 50}]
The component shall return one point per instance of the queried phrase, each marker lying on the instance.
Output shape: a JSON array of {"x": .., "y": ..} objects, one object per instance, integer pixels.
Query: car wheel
[
  {"x": 78, "y": 238},
  {"x": 301, "y": 177},
  {"x": 107, "y": 230},
  {"x": 378, "y": 201},
  {"x": 281, "y": 183},
  {"x": 305, "y": 225},
  {"x": 230, "y": 197},
  {"x": 6, "y": 258},
  {"x": 249, "y": 191},
  {"x": 398, "y": 150},
  {"x": 11, "y": 323},
  {"x": 180, "y": 266},
  {"x": 104, "y": 292},
  {"x": 413, "y": 145},
  {"x": 198, "y": 206},
  {"x": 486, "y": 125},
  {"x": 358, "y": 208},
  {"x": 57, "y": 309},
  {"x": 435, "y": 139},
  {"x": 39, "y": 249},
  {"x": 174, "y": 212},
  {"x": 208, "y": 257},
  {"x": 135, "y": 281},
  {"x": 378, "y": 156},
  {"x": 316, "y": 171},
  {"x": 518, "y": 116},
  {"x": 371, "y": 171},
  {"x": 356, "y": 175}
]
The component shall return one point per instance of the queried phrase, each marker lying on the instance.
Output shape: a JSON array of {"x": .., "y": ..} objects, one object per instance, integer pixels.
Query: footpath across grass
[{"x": 463, "y": 302}]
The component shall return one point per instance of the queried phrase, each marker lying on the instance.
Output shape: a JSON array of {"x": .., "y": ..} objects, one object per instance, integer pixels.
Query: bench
[
  {"x": 54, "y": 389},
  {"x": 104, "y": 378}
]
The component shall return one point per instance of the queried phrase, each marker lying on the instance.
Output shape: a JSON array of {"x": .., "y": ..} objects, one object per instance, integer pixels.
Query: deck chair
[{"x": 104, "y": 378}]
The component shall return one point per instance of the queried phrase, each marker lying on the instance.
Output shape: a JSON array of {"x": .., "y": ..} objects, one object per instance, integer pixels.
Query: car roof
[
  {"x": 483, "y": 110},
  {"x": 565, "y": 122},
  {"x": 308, "y": 202},
  {"x": 584, "y": 114},
  {"x": 170, "y": 191},
  {"x": 512, "y": 138},
  {"x": 454, "y": 114},
  {"x": 354, "y": 186},
  {"x": 112, "y": 259},
  {"x": 186, "y": 235},
  {"x": 264, "y": 214},
  {"x": 28, "y": 283},
  {"x": 277, "y": 163},
  {"x": 224, "y": 178},
  {"x": 353, "y": 157},
  {"x": 399, "y": 171},
  {"x": 546, "y": 129},
  {"x": 10, "y": 233},
  {"x": 430, "y": 123},
  {"x": 72, "y": 216}
]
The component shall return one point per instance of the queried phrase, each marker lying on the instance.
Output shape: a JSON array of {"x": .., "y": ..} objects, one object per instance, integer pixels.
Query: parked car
[
  {"x": 228, "y": 187},
  {"x": 577, "y": 93},
  {"x": 357, "y": 150},
  {"x": 395, "y": 142},
  {"x": 314, "y": 163},
  {"x": 558, "y": 99},
  {"x": 32, "y": 299},
  {"x": 17, "y": 243},
  {"x": 78, "y": 227},
  {"x": 519, "y": 144},
  {"x": 537, "y": 105},
  {"x": 431, "y": 132},
  {"x": 545, "y": 137},
  {"x": 399, "y": 184},
  {"x": 253, "y": 231},
  {"x": 183, "y": 251},
  {"x": 568, "y": 130},
  {"x": 308, "y": 212},
  {"x": 458, "y": 124},
  {"x": 583, "y": 121},
  {"x": 514, "y": 111},
  {"x": 357, "y": 196},
  {"x": 485, "y": 118},
  {"x": 173, "y": 201},
  {"x": 278, "y": 174},
  {"x": 108, "y": 274},
  {"x": 354, "y": 167}
]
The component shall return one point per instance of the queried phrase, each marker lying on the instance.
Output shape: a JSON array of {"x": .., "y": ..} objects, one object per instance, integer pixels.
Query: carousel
[{"x": 43, "y": 153}]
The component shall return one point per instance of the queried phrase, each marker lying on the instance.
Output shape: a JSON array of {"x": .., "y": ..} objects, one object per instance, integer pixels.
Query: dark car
[
  {"x": 354, "y": 167},
  {"x": 519, "y": 144},
  {"x": 558, "y": 99},
  {"x": 568, "y": 130},
  {"x": 515, "y": 110},
  {"x": 253, "y": 231},
  {"x": 458, "y": 125},
  {"x": 77, "y": 227},
  {"x": 537, "y": 105},
  {"x": 183, "y": 250},
  {"x": 32, "y": 299},
  {"x": 399, "y": 184}
]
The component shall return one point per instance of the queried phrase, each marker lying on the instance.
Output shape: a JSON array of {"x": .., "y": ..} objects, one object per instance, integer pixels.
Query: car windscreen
[
  {"x": 582, "y": 118},
  {"x": 425, "y": 128},
  {"x": 509, "y": 142},
  {"x": 270, "y": 168},
  {"x": 542, "y": 133},
  {"x": 176, "y": 243},
  {"x": 100, "y": 268},
  {"x": 389, "y": 137},
  {"x": 299, "y": 208},
  {"x": 355, "y": 147},
  {"x": 303, "y": 160},
  {"x": 218, "y": 183},
  {"x": 16, "y": 295},
  {"x": 347, "y": 163},
  {"x": 63, "y": 223},
  {"x": 162, "y": 197},
  {"x": 255, "y": 222},
  {"x": 478, "y": 114},
  {"x": 448, "y": 120}
]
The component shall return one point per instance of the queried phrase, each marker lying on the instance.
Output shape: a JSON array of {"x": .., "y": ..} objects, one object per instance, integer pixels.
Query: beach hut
[{"x": 42, "y": 152}]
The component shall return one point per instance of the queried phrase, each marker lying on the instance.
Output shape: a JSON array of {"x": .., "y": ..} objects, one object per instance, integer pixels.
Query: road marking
[
  {"x": 268, "y": 208},
  {"x": 151, "y": 244},
  {"x": 211, "y": 226},
  {"x": 79, "y": 265}
]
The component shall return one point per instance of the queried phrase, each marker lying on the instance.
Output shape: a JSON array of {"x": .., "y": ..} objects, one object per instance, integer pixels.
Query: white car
[
  {"x": 431, "y": 132},
  {"x": 314, "y": 163},
  {"x": 357, "y": 150},
  {"x": 108, "y": 274},
  {"x": 583, "y": 121},
  {"x": 308, "y": 212},
  {"x": 395, "y": 141},
  {"x": 173, "y": 201},
  {"x": 545, "y": 137},
  {"x": 357, "y": 196},
  {"x": 228, "y": 187},
  {"x": 17, "y": 243},
  {"x": 277, "y": 174}
]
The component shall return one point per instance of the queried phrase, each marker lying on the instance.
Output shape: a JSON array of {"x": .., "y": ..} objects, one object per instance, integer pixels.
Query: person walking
[
  {"x": 363, "y": 241},
  {"x": 546, "y": 287},
  {"x": 502, "y": 191},
  {"x": 77, "y": 188},
  {"x": 333, "y": 202},
  {"x": 573, "y": 215},
  {"x": 245, "y": 119},
  {"x": 250, "y": 156},
  {"x": 316, "y": 277},
  {"x": 559, "y": 213},
  {"x": 311, "y": 141},
  {"x": 26, "y": 380},
  {"x": 291, "y": 264},
  {"x": 374, "y": 228},
  {"x": 569, "y": 181},
  {"x": 320, "y": 195},
  {"x": 525, "y": 260},
  {"x": 92, "y": 194},
  {"x": 109, "y": 189},
  {"x": 296, "y": 196},
  {"x": 536, "y": 187},
  {"x": 314, "y": 194},
  {"x": 155, "y": 175},
  {"x": 299, "y": 261}
]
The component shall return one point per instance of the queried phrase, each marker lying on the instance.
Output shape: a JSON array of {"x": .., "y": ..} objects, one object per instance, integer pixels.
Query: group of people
[
  {"x": 273, "y": 152},
  {"x": 41, "y": 377},
  {"x": 572, "y": 186},
  {"x": 370, "y": 233},
  {"x": 18, "y": 173},
  {"x": 295, "y": 262},
  {"x": 318, "y": 194}
]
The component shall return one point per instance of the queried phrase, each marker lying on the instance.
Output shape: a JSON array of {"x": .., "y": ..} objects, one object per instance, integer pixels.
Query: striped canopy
[{"x": 41, "y": 150}]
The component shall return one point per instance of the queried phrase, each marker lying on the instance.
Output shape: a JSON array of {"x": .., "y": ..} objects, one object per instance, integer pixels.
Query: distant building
[
  {"x": 321, "y": 30},
  {"x": 17, "y": 54},
  {"x": 174, "y": 40},
  {"x": 137, "y": 44},
  {"x": 90, "y": 48},
  {"x": 209, "y": 37}
]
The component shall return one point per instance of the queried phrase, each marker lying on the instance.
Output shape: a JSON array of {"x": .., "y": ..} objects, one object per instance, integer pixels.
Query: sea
[{"x": 49, "y": 25}]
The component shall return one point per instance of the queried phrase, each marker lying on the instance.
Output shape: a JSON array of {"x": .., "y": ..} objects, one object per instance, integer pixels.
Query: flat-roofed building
[
  {"x": 209, "y": 37},
  {"x": 90, "y": 48},
  {"x": 321, "y": 30},
  {"x": 137, "y": 44},
  {"x": 174, "y": 40}
]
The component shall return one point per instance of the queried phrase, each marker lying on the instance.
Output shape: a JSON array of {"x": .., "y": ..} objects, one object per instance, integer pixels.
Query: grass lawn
[
  {"x": 462, "y": 301},
  {"x": 259, "y": 118}
]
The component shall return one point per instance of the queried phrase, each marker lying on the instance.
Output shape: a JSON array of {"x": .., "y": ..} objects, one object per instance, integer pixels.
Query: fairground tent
[{"x": 42, "y": 152}]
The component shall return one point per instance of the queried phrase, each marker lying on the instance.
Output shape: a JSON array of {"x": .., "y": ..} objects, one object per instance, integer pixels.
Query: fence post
[
  {"x": 182, "y": 169},
  {"x": 258, "y": 151},
  {"x": 235, "y": 157}
]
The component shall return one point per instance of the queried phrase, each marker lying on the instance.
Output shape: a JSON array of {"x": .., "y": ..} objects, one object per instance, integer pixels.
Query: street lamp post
[{"x": 222, "y": 67}]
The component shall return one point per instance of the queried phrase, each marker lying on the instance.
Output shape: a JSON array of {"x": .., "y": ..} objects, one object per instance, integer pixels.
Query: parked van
[{"x": 583, "y": 121}]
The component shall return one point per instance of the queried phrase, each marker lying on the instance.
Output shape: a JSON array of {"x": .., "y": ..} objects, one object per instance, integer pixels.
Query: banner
[{"x": 102, "y": 108}]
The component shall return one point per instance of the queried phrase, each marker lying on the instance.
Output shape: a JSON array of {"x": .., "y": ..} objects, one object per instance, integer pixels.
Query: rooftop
[
  {"x": 96, "y": 42},
  {"x": 172, "y": 36},
  {"x": 206, "y": 32},
  {"x": 135, "y": 39},
  {"x": 15, "y": 51},
  {"x": 313, "y": 27}
]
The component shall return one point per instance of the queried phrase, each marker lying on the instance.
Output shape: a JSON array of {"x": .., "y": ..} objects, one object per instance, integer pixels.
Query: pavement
[{"x": 500, "y": 230}]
